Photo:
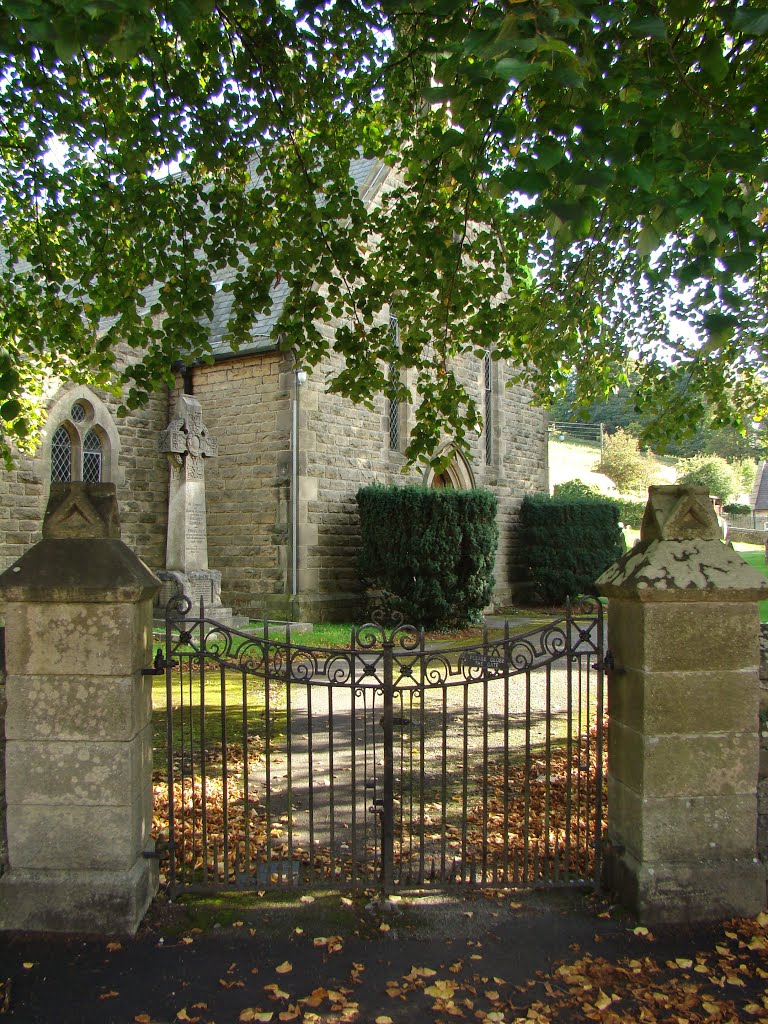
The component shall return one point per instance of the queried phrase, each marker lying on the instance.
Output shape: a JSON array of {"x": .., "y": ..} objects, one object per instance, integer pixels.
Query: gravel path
[{"x": 440, "y": 750}]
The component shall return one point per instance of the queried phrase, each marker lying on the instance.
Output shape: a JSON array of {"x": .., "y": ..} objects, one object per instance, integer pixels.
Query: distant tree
[
  {"x": 622, "y": 407},
  {"x": 737, "y": 509},
  {"x": 624, "y": 463},
  {"x": 712, "y": 472},
  {"x": 746, "y": 471},
  {"x": 616, "y": 409}
]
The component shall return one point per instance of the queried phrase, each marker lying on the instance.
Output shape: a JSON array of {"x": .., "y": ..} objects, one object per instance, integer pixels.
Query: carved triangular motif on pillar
[
  {"x": 679, "y": 513},
  {"x": 692, "y": 516},
  {"x": 79, "y": 511}
]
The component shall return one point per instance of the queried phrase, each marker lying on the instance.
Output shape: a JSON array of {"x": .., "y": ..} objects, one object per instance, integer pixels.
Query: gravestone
[{"x": 188, "y": 445}]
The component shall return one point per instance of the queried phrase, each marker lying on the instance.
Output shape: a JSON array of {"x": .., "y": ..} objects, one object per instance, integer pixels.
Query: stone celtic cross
[
  {"x": 187, "y": 438},
  {"x": 187, "y": 444}
]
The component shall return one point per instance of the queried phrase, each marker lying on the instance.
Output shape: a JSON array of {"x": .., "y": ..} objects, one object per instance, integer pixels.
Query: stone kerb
[
  {"x": 683, "y": 717},
  {"x": 78, "y": 614}
]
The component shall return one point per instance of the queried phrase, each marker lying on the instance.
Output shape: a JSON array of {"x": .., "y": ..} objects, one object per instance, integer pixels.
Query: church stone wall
[
  {"x": 345, "y": 446},
  {"x": 142, "y": 492},
  {"x": 140, "y": 474},
  {"x": 22, "y": 505},
  {"x": 246, "y": 405}
]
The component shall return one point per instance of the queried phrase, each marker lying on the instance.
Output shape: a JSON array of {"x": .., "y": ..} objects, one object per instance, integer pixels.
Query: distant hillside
[{"x": 578, "y": 460}]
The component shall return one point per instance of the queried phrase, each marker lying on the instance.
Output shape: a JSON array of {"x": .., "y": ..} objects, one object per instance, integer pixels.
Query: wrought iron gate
[{"x": 391, "y": 763}]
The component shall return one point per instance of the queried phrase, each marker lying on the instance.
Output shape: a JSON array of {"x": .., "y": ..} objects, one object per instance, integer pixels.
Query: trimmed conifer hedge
[
  {"x": 566, "y": 543},
  {"x": 430, "y": 551}
]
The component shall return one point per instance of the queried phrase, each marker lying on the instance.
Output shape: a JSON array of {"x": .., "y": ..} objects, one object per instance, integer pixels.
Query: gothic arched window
[
  {"x": 91, "y": 458},
  {"x": 79, "y": 446},
  {"x": 488, "y": 407},
  {"x": 61, "y": 456},
  {"x": 393, "y": 404}
]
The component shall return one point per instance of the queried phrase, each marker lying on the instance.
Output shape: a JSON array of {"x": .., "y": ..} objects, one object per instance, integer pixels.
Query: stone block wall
[
  {"x": 142, "y": 491},
  {"x": 747, "y": 536},
  {"x": 344, "y": 447},
  {"x": 141, "y": 476},
  {"x": 246, "y": 405}
]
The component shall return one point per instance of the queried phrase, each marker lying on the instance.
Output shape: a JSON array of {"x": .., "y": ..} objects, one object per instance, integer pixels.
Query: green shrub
[
  {"x": 567, "y": 543},
  {"x": 709, "y": 471},
  {"x": 630, "y": 512},
  {"x": 576, "y": 489},
  {"x": 735, "y": 509},
  {"x": 430, "y": 551},
  {"x": 623, "y": 462}
]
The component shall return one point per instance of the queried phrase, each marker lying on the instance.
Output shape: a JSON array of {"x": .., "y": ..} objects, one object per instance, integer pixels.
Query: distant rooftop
[{"x": 759, "y": 498}]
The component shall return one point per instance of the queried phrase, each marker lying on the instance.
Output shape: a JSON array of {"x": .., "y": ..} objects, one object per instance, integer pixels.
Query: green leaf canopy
[{"x": 569, "y": 179}]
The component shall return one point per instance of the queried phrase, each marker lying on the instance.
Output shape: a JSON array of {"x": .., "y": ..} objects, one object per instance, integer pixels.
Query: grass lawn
[
  {"x": 222, "y": 715},
  {"x": 322, "y": 634},
  {"x": 754, "y": 555},
  {"x": 339, "y": 635}
]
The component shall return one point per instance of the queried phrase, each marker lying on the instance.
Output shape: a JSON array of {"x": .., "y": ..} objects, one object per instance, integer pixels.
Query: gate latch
[
  {"x": 158, "y": 666},
  {"x": 161, "y": 851},
  {"x": 377, "y": 808}
]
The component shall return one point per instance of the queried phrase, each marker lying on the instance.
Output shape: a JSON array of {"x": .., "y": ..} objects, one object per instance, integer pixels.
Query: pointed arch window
[
  {"x": 61, "y": 456},
  {"x": 393, "y": 403},
  {"x": 92, "y": 458},
  {"x": 80, "y": 446},
  {"x": 488, "y": 407}
]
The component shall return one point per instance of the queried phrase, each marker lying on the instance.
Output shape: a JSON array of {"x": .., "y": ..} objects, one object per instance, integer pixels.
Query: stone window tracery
[
  {"x": 80, "y": 446},
  {"x": 61, "y": 456},
  {"x": 488, "y": 407},
  {"x": 91, "y": 458}
]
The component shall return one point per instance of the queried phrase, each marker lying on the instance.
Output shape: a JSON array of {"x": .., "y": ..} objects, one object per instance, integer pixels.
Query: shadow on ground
[{"x": 331, "y": 958}]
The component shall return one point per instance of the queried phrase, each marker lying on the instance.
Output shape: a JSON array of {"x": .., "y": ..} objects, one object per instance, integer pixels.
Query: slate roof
[
  {"x": 367, "y": 175},
  {"x": 759, "y": 498}
]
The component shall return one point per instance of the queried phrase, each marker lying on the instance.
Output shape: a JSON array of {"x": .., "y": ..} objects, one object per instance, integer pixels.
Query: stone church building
[{"x": 282, "y": 524}]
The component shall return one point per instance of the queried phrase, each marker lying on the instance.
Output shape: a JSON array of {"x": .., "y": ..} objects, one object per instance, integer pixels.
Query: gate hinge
[
  {"x": 159, "y": 665},
  {"x": 162, "y": 850},
  {"x": 608, "y": 664}
]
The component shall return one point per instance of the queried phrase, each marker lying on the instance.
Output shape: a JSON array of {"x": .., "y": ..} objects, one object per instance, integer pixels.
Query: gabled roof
[
  {"x": 759, "y": 498},
  {"x": 261, "y": 339},
  {"x": 368, "y": 175}
]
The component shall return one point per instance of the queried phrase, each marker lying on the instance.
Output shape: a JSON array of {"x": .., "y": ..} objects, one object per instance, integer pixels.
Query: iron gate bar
[
  {"x": 401, "y": 843},
  {"x": 169, "y": 741},
  {"x": 505, "y": 876},
  {"x": 599, "y": 667}
]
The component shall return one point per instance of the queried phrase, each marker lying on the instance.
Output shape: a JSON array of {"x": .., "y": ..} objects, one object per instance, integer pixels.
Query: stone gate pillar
[
  {"x": 683, "y": 717},
  {"x": 78, "y": 614}
]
